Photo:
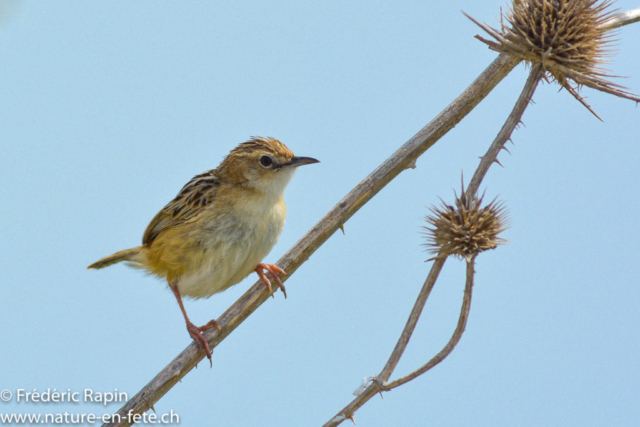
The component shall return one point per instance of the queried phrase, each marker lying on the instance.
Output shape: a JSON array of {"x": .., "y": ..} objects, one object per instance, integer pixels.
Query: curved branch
[
  {"x": 378, "y": 385},
  {"x": 455, "y": 338}
]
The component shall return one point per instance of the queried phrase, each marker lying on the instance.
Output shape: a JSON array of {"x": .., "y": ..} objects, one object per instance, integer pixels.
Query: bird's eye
[{"x": 266, "y": 161}]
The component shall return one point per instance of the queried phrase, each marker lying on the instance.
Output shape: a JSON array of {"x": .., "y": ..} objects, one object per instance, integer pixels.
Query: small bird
[{"x": 219, "y": 227}]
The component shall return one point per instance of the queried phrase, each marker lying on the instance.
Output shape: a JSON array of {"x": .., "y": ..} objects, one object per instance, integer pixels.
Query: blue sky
[{"x": 108, "y": 108}]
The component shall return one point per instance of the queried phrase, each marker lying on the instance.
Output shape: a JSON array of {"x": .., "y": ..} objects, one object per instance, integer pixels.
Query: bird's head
[{"x": 262, "y": 164}]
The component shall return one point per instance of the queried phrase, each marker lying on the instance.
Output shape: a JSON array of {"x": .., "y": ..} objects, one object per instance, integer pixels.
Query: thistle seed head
[
  {"x": 566, "y": 38},
  {"x": 466, "y": 229}
]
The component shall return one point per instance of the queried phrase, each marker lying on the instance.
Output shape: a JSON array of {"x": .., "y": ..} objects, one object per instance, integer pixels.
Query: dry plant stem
[
  {"x": 381, "y": 379},
  {"x": 623, "y": 18},
  {"x": 509, "y": 126},
  {"x": 402, "y": 159},
  {"x": 455, "y": 338},
  {"x": 379, "y": 384},
  {"x": 414, "y": 316}
]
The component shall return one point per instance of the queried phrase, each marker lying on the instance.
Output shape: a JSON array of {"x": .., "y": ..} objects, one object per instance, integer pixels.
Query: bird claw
[
  {"x": 275, "y": 271},
  {"x": 197, "y": 335}
]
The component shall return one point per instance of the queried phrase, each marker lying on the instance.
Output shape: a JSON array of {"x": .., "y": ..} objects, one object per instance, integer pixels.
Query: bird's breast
[{"x": 233, "y": 242}]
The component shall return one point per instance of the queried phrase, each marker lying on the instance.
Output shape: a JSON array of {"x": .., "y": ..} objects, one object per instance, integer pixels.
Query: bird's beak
[{"x": 299, "y": 161}]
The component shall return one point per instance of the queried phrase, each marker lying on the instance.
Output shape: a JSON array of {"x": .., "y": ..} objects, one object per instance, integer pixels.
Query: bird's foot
[
  {"x": 197, "y": 334},
  {"x": 275, "y": 271}
]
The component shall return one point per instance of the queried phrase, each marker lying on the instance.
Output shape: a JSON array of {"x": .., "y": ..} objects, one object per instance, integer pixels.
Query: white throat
[{"x": 276, "y": 184}]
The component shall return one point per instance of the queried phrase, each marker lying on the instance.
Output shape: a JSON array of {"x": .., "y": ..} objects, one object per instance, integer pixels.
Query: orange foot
[
  {"x": 275, "y": 271},
  {"x": 197, "y": 334}
]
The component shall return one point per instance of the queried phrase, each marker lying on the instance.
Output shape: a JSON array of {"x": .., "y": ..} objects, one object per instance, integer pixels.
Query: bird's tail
[{"x": 126, "y": 255}]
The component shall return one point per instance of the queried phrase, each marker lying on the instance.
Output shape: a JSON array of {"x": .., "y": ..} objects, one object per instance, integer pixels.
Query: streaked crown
[{"x": 268, "y": 146}]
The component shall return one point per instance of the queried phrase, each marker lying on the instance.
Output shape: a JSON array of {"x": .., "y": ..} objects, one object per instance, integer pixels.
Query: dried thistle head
[
  {"x": 567, "y": 38},
  {"x": 466, "y": 229}
]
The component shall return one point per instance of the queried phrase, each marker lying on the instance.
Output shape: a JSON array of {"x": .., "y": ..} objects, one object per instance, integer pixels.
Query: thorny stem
[
  {"x": 507, "y": 129},
  {"x": 402, "y": 159},
  {"x": 379, "y": 384},
  {"x": 505, "y": 133}
]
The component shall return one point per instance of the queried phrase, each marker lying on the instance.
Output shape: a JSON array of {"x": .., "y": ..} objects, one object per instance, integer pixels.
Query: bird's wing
[{"x": 190, "y": 201}]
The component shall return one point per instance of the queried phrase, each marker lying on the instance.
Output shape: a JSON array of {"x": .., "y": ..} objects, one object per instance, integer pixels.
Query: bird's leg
[
  {"x": 194, "y": 331},
  {"x": 275, "y": 271}
]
